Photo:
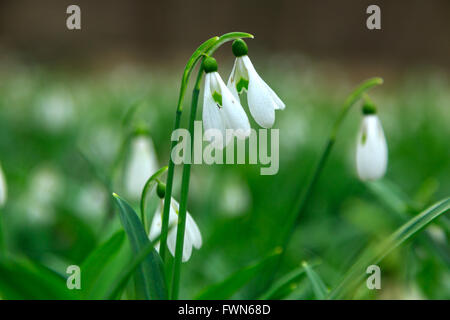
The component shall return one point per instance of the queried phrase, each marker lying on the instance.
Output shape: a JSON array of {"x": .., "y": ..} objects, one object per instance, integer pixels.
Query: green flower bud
[
  {"x": 239, "y": 48},
  {"x": 161, "y": 190},
  {"x": 209, "y": 65},
  {"x": 369, "y": 108}
]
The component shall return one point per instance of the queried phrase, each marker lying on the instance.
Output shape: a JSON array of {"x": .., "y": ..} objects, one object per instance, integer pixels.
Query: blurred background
[{"x": 70, "y": 99}]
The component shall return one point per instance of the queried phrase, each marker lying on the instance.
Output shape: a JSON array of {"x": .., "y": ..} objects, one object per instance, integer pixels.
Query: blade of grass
[
  {"x": 377, "y": 252},
  {"x": 285, "y": 285},
  {"x": 97, "y": 262},
  {"x": 120, "y": 283},
  {"x": 231, "y": 285},
  {"x": 319, "y": 288},
  {"x": 150, "y": 280},
  {"x": 24, "y": 279}
]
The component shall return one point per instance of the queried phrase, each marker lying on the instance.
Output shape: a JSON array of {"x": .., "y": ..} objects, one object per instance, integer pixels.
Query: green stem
[
  {"x": 184, "y": 194},
  {"x": 171, "y": 167},
  {"x": 187, "y": 166},
  {"x": 151, "y": 182},
  {"x": 303, "y": 201}
]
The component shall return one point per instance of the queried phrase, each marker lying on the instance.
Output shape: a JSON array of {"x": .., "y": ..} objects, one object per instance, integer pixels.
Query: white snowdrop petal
[
  {"x": 260, "y": 102},
  {"x": 194, "y": 232},
  {"x": 231, "y": 84},
  {"x": 371, "y": 151},
  {"x": 155, "y": 227},
  {"x": 141, "y": 165},
  {"x": 212, "y": 117},
  {"x": 233, "y": 113},
  {"x": 3, "y": 188},
  {"x": 279, "y": 105}
]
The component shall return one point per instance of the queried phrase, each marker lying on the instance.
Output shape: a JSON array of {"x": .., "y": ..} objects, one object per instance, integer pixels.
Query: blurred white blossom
[
  {"x": 141, "y": 165},
  {"x": 3, "y": 188},
  {"x": 55, "y": 110}
]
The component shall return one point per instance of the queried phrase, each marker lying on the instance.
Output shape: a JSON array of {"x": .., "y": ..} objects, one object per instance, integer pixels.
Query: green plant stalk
[
  {"x": 208, "y": 47},
  {"x": 171, "y": 167},
  {"x": 305, "y": 196},
  {"x": 187, "y": 166},
  {"x": 184, "y": 194},
  {"x": 148, "y": 185}
]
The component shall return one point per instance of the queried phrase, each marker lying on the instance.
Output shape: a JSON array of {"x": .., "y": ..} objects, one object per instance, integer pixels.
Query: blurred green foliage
[{"x": 61, "y": 135}]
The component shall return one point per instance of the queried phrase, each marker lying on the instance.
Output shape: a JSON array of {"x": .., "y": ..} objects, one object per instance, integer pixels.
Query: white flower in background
[
  {"x": 55, "y": 110},
  {"x": 371, "y": 150},
  {"x": 3, "y": 188},
  {"x": 46, "y": 186},
  {"x": 141, "y": 165},
  {"x": 221, "y": 110},
  {"x": 262, "y": 100},
  {"x": 192, "y": 236}
]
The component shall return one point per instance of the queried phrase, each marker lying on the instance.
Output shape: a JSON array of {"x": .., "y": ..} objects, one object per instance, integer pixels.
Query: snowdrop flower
[
  {"x": 141, "y": 164},
  {"x": 371, "y": 150},
  {"x": 192, "y": 236},
  {"x": 222, "y": 112},
  {"x": 3, "y": 190},
  {"x": 262, "y": 100}
]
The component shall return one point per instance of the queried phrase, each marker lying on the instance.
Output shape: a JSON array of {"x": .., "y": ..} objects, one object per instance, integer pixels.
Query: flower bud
[
  {"x": 161, "y": 190},
  {"x": 209, "y": 64},
  {"x": 239, "y": 48}
]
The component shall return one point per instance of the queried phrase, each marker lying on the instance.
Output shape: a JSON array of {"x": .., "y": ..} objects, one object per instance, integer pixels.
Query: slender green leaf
[
  {"x": 150, "y": 280},
  {"x": 121, "y": 281},
  {"x": 24, "y": 279},
  {"x": 319, "y": 288},
  {"x": 378, "y": 251},
  {"x": 231, "y": 285},
  {"x": 97, "y": 263},
  {"x": 285, "y": 285}
]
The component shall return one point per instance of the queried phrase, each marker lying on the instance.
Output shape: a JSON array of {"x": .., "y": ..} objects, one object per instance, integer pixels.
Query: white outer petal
[
  {"x": 192, "y": 236},
  {"x": 231, "y": 84},
  {"x": 260, "y": 101},
  {"x": 3, "y": 188},
  {"x": 212, "y": 117},
  {"x": 233, "y": 113},
  {"x": 193, "y": 232},
  {"x": 372, "y": 156},
  {"x": 141, "y": 165}
]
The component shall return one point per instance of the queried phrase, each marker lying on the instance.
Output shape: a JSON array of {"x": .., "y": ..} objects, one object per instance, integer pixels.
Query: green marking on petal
[
  {"x": 241, "y": 85},
  {"x": 364, "y": 137},
  {"x": 217, "y": 98}
]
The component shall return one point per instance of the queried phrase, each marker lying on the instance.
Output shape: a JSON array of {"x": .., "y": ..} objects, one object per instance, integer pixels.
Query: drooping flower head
[
  {"x": 371, "y": 150},
  {"x": 192, "y": 236},
  {"x": 141, "y": 164},
  {"x": 262, "y": 100},
  {"x": 3, "y": 188},
  {"x": 222, "y": 111}
]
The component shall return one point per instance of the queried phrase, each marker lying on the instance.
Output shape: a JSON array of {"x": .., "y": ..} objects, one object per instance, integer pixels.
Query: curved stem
[
  {"x": 187, "y": 166},
  {"x": 148, "y": 185},
  {"x": 305, "y": 196},
  {"x": 171, "y": 167}
]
